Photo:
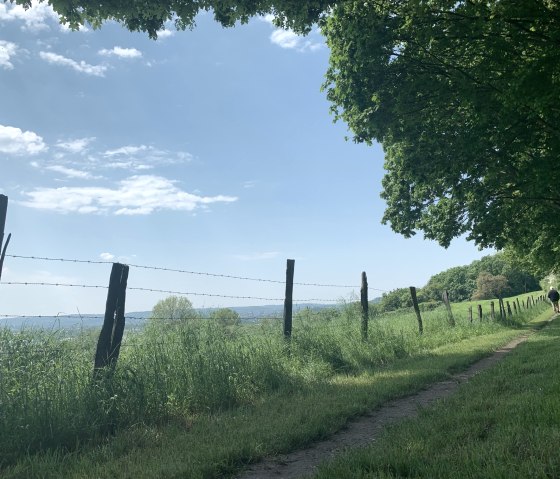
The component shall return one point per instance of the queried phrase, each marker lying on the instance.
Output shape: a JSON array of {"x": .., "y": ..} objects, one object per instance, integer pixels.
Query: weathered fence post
[
  {"x": 502, "y": 308},
  {"x": 289, "y": 298},
  {"x": 3, "y": 214},
  {"x": 514, "y": 307},
  {"x": 470, "y": 314},
  {"x": 508, "y": 308},
  {"x": 450, "y": 318},
  {"x": 110, "y": 337},
  {"x": 480, "y": 312},
  {"x": 518, "y": 305},
  {"x": 365, "y": 306},
  {"x": 416, "y": 308},
  {"x": 492, "y": 311}
]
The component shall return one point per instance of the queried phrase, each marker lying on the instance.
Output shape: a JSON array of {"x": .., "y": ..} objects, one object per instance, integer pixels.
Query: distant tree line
[{"x": 487, "y": 278}]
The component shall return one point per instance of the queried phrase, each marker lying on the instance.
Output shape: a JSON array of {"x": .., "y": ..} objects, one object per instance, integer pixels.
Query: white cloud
[
  {"x": 121, "y": 52},
  {"x": 285, "y": 38},
  {"x": 17, "y": 142},
  {"x": 7, "y": 51},
  {"x": 34, "y": 18},
  {"x": 162, "y": 34},
  {"x": 257, "y": 256},
  {"x": 71, "y": 172},
  {"x": 75, "y": 146},
  {"x": 250, "y": 184},
  {"x": 82, "y": 67},
  {"x": 137, "y": 195},
  {"x": 107, "y": 256},
  {"x": 290, "y": 40}
]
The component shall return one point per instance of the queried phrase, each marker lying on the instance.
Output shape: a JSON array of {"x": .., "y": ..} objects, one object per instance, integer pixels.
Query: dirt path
[{"x": 366, "y": 429}]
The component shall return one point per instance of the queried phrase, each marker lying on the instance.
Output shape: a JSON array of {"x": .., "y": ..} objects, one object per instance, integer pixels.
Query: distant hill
[{"x": 137, "y": 319}]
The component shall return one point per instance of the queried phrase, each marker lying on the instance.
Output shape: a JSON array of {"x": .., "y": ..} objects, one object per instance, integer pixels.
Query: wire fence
[
  {"x": 183, "y": 271},
  {"x": 201, "y": 294},
  {"x": 299, "y": 303}
]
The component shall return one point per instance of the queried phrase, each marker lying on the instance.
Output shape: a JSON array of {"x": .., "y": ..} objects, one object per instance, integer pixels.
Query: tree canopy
[
  {"x": 462, "y": 94},
  {"x": 486, "y": 278},
  {"x": 173, "y": 310},
  {"x": 150, "y": 16}
]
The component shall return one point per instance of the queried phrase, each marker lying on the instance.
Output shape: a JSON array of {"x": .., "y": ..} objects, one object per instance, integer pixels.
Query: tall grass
[{"x": 49, "y": 399}]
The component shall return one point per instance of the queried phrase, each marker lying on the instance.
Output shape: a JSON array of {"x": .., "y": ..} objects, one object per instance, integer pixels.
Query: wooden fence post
[
  {"x": 365, "y": 306},
  {"x": 480, "y": 312},
  {"x": 518, "y": 305},
  {"x": 416, "y": 309},
  {"x": 110, "y": 337},
  {"x": 492, "y": 311},
  {"x": 3, "y": 214},
  {"x": 514, "y": 307},
  {"x": 288, "y": 299},
  {"x": 508, "y": 308},
  {"x": 502, "y": 308},
  {"x": 470, "y": 314},
  {"x": 450, "y": 318}
]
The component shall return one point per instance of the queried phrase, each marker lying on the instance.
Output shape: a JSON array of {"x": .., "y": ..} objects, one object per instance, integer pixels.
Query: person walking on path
[{"x": 554, "y": 297}]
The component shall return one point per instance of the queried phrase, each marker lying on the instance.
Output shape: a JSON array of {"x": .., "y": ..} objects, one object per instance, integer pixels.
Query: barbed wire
[
  {"x": 142, "y": 318},
  {"x": 183, "y": 271},
  {"x": 228, "y": 296},
  {"x": 153, "y": 290},
  {"x": 32, "y": 283}
]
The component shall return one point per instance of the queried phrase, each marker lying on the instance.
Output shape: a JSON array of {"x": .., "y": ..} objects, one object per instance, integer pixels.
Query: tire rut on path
[{"x": 366, "y": 429}]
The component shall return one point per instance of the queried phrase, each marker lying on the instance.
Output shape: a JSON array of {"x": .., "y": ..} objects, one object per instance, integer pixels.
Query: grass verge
[{"x": 503, "y": 423}]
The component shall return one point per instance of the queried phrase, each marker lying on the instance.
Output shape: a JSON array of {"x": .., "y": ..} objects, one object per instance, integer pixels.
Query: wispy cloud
[
  {"x": 126, "y": 151},
  {"x": 121, "y": 52},
  {"x": 107, "y": 256},
  {"x": 17, "y": 142},
  {"x": 257, "y": 256},
  {"x": 81, "y": 66},
  {"x": 137, "y": 195},
  {"x": 7, "y": 51},
  {"x": 71, "y": 172},
  {"x": 142, "y": 157},
  {"x": 250, "y": 184},
  {"x": 76, "y": 146}
]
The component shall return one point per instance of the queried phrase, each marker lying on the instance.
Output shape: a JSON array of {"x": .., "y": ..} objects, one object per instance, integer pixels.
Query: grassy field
[
  {"x": 504, "y": 423},
  {"x": 202, "y": 400}
]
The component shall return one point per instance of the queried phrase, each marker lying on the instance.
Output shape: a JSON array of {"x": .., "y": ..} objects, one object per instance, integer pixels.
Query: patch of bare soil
[{"x": 366, "y": 429}]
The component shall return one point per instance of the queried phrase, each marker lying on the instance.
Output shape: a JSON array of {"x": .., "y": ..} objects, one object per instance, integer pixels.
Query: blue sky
[{"x": 209, "y": 150}]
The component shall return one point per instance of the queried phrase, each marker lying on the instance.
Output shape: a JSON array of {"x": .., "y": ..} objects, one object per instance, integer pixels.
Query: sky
[{"x": 209, "y": 151}]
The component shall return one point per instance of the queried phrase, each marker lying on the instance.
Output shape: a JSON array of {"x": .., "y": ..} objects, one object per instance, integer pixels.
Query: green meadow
[{"x": 202, "y": 399}]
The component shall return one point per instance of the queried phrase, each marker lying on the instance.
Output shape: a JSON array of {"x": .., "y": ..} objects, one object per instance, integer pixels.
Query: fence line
[{"x": 183, "y": 271}]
